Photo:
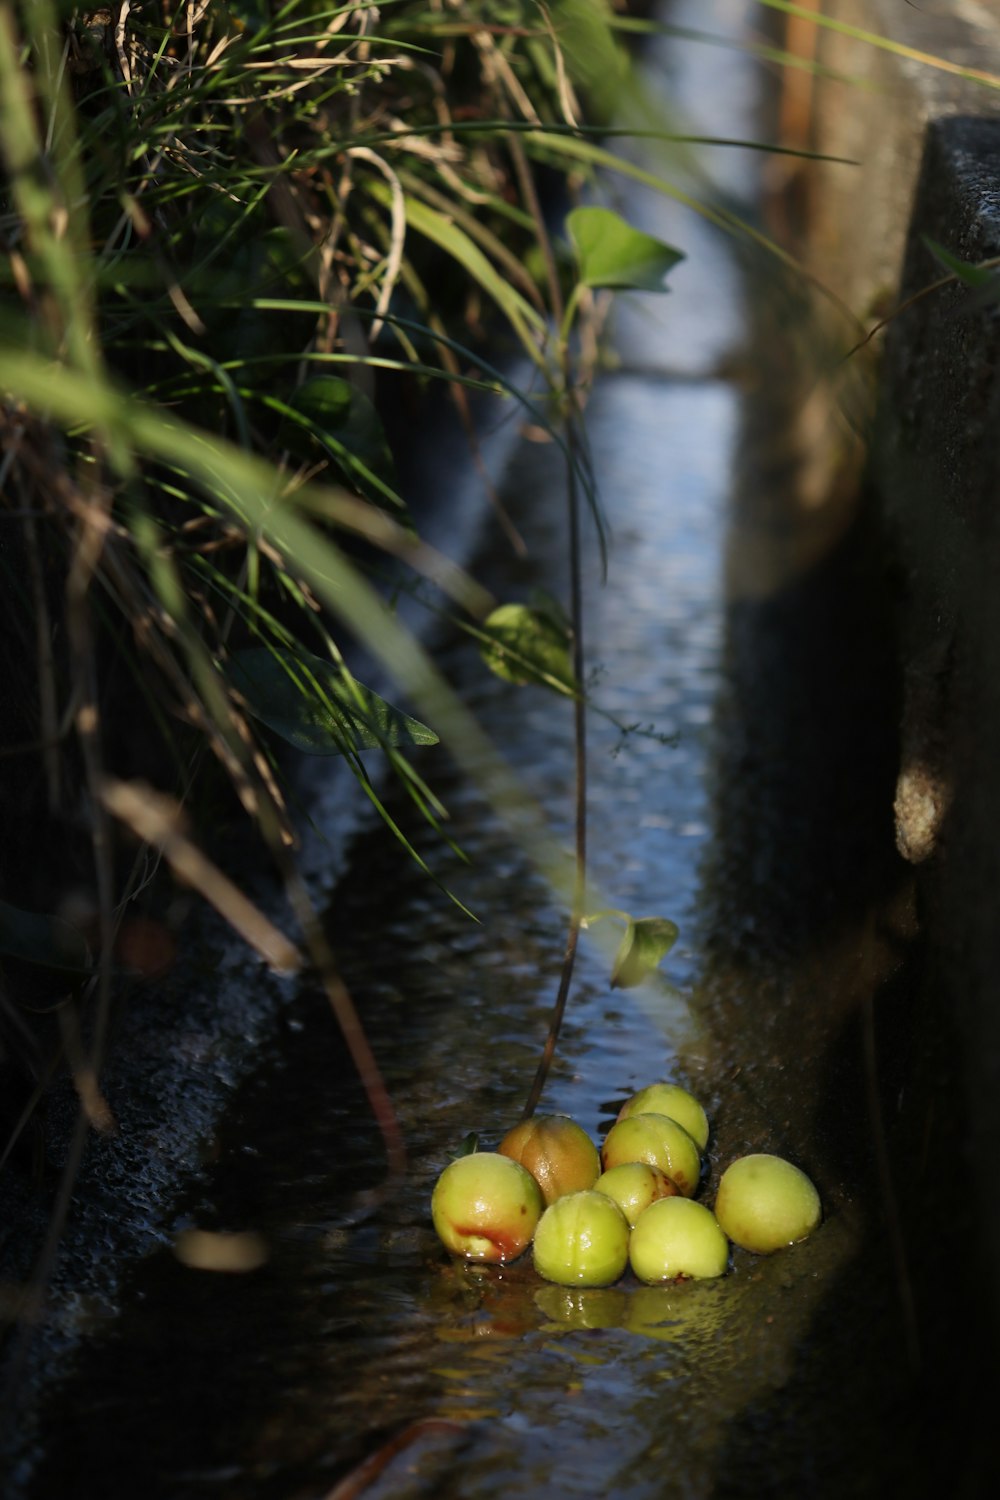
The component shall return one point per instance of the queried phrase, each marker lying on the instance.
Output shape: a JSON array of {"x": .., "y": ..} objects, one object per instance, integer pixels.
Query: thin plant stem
[
  {"x": 350, "y": 1023},
  {"x": 529, "y": 192},
  {"x": 580, "y": 800}
]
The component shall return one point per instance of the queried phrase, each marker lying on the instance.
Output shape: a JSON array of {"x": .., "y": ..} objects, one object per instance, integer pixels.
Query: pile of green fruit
[{"x": 588, "y": 1215}]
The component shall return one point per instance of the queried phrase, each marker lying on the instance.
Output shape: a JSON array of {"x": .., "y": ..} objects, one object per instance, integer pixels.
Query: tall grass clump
[{"x": 232, "y": 233}]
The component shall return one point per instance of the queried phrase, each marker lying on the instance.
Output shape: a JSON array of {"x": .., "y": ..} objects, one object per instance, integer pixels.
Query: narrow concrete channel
[{"x": 752, "y": 806}]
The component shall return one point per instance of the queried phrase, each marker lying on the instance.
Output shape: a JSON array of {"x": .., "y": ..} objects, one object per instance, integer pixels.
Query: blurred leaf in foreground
[
  {"x": 205, "y": 1250},
  {"x": 36, "y": 938},
  {"x": 310, "y": 703},
  {"x": 527, "y": 644},
  {"x": 330, "y": 411},
  {"x": 645, "y": 942}
]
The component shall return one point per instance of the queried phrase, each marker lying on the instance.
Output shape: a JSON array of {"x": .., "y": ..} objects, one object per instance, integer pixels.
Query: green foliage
[
  {"x": 984, "y": 278},
  {"x": 613, "y": 255},
  {"x": 316, "y": 706},
  {"x": 331, "y": 412},
  {"x": 596, "y": 58},
  {"x": 525, "y": 643},
  {"x": 227, "y": 241},
  {"x": 645, "y": 942},
  {"x": 43, "y": 941},
  {"x": 467, "y": 1146}
]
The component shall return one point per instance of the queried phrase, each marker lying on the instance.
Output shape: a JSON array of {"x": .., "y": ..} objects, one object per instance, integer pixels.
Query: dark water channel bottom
[{"x": 834, "y": 1369}]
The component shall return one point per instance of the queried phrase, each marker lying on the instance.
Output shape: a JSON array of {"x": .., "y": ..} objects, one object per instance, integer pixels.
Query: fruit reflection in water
[{"x": 588, "y": 1307}]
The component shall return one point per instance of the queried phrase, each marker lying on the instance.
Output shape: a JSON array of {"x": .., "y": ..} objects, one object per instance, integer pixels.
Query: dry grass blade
[
  {"x": 156, "y": 819},
  {"x": 94, "y": 1105},
  {"x": 398, "y": 219},
  {"x": 352, "y": 1030}
]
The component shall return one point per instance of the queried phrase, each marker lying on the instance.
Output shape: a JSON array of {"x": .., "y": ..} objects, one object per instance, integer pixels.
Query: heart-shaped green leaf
[
  {"x": 645, "y": 942},
  {"x": 36, "y": 938},
  {"x": 310, "y": 703},
  {"x": 613, "y": 255}
]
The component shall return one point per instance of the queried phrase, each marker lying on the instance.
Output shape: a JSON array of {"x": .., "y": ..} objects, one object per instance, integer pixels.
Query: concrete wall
[
  {"x": 928, "y": 146},
  {"x": 872, "y": 106}
]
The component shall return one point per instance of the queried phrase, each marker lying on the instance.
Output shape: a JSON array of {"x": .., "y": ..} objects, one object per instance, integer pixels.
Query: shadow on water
[{"x": 813, "y": 983}]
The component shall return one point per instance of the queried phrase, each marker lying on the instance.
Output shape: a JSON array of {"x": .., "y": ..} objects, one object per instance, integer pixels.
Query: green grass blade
[{"x": 885, "y": 44}]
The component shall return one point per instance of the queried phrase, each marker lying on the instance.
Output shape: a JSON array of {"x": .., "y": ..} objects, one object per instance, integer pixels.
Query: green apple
[
  {"x": 658, "y": 1140},
  {"x": 670, "y": 1099},
  {"x": 677, "y": 1237},
  {"x": 764, "y": 1202},
  {"x": 557, "y": 1152},
  {"x": 634, "y": 1185},
  {"x": 486, "y": 1207},
  {"x": 582, "y": 1240}
]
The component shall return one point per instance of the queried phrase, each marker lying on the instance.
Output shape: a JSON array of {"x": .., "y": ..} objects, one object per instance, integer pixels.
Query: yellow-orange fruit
[{"x": 557, "y": 1152}]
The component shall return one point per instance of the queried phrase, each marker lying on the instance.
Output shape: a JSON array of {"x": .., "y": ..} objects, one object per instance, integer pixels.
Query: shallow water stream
[{"x": 750, "y": 808}]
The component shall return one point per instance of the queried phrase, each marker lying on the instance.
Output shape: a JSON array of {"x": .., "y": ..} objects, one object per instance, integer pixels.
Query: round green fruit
[
  {"x": 634, "y": 1185},
  {"x": 557, "y": 1152},
  {"x": 670, "y": 1099},
  {"x": 658, "y": 1140},
  {"x": 582, "y": 1240},
  {"x": 677, "y": 1237},
  {"x": 764, "y": 1203},
  {"x": 486, "y": 1207}
]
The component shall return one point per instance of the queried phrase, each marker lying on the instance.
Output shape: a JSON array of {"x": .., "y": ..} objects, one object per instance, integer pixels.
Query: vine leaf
[
  {"x": 614, "y": 256},
  {"x": 528, "y": 644},
  {"x": 332, "y": 412},
  {"x": 467, "y": 1146},
  {"x": 43, "y": 940},
  {"x": 310, "y": 703},
  {"x": 645, "y": 942}
]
